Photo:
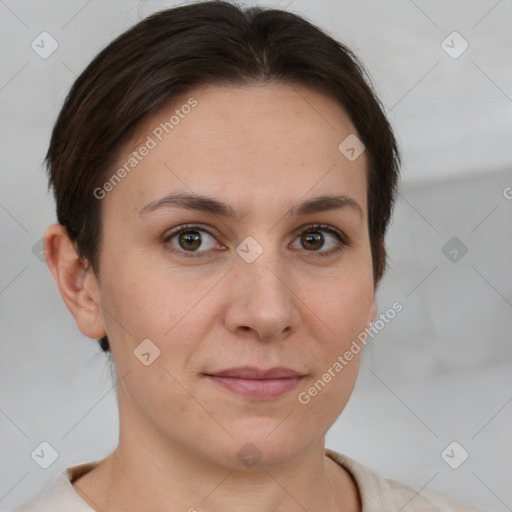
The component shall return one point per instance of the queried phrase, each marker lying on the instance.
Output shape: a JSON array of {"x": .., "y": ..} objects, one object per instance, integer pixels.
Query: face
[{"x": 211, "y": 291}]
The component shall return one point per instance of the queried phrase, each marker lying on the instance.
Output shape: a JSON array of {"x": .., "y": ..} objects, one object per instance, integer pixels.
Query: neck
[
  {"x": 151, "y": 470},
  {"x": 141, "y": 474}
]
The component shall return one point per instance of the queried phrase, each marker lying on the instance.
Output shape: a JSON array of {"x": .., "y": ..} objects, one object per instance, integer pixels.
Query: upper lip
[{"x": 251, "y": 372}]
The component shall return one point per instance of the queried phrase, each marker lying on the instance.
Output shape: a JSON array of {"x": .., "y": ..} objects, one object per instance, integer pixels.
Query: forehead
[{"x": 262, "y": 142}]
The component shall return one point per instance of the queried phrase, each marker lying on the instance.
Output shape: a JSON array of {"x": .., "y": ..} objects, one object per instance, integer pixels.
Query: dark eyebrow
[{"x": 214, "y": 206}]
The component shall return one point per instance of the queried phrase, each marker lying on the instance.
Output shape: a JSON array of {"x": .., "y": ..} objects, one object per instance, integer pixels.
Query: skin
[{"x": 261, "y": 148}]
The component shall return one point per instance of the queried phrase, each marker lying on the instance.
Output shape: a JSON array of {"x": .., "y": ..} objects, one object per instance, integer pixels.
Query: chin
[{"x": 259, "y": 449}]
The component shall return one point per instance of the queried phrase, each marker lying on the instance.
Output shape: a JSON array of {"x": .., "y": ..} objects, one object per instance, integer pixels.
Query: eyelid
[{"x": 323, "y": 227}]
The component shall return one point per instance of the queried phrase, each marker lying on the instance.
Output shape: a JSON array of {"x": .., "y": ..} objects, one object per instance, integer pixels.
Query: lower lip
[{"x": 257, "y": 388}]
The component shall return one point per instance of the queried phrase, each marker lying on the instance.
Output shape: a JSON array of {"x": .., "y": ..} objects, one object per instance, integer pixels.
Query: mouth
[{"x": 257, "y": 383}]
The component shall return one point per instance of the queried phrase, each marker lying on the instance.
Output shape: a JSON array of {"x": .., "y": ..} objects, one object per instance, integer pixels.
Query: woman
[{"x": 224, "y": 179}]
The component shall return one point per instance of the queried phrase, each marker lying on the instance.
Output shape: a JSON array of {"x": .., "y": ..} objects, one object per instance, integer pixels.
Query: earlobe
[
  {"x": 78, "y": 288},
  {"x": 373, "y": 311}
]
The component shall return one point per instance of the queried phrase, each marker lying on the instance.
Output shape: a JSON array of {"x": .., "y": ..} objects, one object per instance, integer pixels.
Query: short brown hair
[{"x": 212, "y": 42}]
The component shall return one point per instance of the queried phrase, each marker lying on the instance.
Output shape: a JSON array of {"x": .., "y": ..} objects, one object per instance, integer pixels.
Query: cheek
[
  {"x": 344, "y": 305},
  {"x": 343, "y": 311},
  {"x": 157, "y": 394},
  {"x": 144, "y": 299},
  {"x": 339, "y": 309},
  {"x": 337, "y": 354},
  {"x": 148, "y": 302}
]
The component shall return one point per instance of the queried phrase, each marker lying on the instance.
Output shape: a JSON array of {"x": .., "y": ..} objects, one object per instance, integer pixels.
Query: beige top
[{"x": 378, "y": 493}]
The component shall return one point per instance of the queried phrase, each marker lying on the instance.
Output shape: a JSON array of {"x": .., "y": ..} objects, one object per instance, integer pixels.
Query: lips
[
  {"x": 257, "y": 383},
  {"x": 251, "y": 372}
]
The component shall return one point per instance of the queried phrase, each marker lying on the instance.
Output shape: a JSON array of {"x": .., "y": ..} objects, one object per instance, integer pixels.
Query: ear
[
  {"x": 373, "y": 310},
  {"x": 78, "y": 285}
]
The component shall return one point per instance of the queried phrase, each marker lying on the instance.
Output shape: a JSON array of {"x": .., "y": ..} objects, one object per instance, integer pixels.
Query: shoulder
[
  {"x": 61, "y": 492},
  {"x": 382, "y": 494}
]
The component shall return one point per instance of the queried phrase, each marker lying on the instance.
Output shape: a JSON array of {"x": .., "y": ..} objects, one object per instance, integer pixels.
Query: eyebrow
[{"x": 210, "y": 205}]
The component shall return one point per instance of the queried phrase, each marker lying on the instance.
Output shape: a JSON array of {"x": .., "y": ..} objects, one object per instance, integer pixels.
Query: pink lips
[{"x": 255, "y": 383}]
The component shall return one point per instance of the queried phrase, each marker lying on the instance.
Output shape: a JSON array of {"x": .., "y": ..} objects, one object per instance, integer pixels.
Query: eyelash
[{"x": 342, "y": 238}]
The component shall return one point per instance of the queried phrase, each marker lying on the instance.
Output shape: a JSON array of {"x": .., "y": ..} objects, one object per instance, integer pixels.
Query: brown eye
[
  {"x": 320, "y": 236},
  {"x": 312, "y": 240},
  {"x": 187, "y": 240},
  {"x": 191, "y": 240}
]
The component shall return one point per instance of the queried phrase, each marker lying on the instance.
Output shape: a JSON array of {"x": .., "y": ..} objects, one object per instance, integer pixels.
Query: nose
[{"x": 263, "y": 300}]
